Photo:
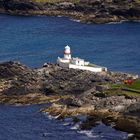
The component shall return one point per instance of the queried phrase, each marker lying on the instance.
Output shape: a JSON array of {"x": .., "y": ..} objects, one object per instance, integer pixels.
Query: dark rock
[
  {"x": 20, "y": 5},
  {"x": 97, "y": 11},
  {"x": 102, "y": 88},
  {"x": 128, "y": 96},
  {"x": 131, "y": 137},
  {"x": 45, "y": 135},
  {"x": 72, "y": 102},
  {"x": 65, "y": 5},
  {"x": 134, "y": 109},
  {"x": 18, "y": 78},
  {"x": 12, "y": 69},
  {"x": 102, "y": 95}
]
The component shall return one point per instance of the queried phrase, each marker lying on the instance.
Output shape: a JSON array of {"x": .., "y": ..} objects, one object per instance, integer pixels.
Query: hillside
[{"x": 96, "y": 11}]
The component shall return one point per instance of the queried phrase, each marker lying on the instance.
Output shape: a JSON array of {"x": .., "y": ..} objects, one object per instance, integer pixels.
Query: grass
[
  {"x": 110, "y": 91},
  {"x": 137, "y": 1},
  {"x": 135, "y": 85},
  {"x": 116, "y": 85},
  {"x": 120, "y": 88}
]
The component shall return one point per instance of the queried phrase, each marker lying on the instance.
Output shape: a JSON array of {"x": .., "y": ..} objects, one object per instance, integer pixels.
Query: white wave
[
  {"x": 19, "y": 105},
  {"x": 96, "y": 133},
  {"x": 119, "y": 22},
  {"x": 130, "y": 136},
  {"x": 75, "y": 20},
  {"x": 50, "y": 117},
  {"x": 66, "y": 124},
  {"x": 102, "y": 131},
  {"x": 88, "y": 133},
  {"x": 115, "y": 22},
  {"x": 75, "y": 127}
]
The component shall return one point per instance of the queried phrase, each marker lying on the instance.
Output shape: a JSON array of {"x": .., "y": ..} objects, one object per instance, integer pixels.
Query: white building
[{"x": 76, "y": 63}]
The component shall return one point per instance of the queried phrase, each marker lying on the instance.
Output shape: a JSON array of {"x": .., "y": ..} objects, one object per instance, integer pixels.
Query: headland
[
  {"x": 105, "y": 96},
  {"x": 89, "y": 11}
]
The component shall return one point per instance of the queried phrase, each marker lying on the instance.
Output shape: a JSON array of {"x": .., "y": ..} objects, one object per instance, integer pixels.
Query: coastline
[
  {"x": 98, "y": 12},
  {"x": 91, "y": 97},
  {"x": 20, "y": 85},
  {"x": 73, "y": 17}
]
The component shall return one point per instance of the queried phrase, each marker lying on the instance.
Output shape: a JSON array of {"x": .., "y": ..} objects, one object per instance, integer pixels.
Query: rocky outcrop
[
  {"x": 71, "y": 92},
  {"x": 87, "y": 88},
  {"x": 14, "y": 5},
  {"x": 76, "y": 82},
  {"x": 96, "y": 11},
  {"x": 94, "y": 117},
  {"x": 18, "y": 79},
  {"x": 83, "y": 86}
]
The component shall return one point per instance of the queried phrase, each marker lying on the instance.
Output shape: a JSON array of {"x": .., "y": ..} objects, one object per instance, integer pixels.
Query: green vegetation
[
  {"x": 137, "y": 1},
  {"x": 132, "y": 89},
  {"x": 135, "y": 85},
  {"x": 116, "y": 85},
  {"x": 110, "y": 91}
]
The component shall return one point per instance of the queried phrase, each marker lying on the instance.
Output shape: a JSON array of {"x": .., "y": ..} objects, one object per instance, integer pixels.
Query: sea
[{"x": 35, "y": 40}]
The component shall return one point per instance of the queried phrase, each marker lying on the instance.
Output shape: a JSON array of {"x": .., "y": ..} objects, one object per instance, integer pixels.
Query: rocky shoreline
[
  {"x": 71, "y": 93},
  {"x": 88, "y": 11}
]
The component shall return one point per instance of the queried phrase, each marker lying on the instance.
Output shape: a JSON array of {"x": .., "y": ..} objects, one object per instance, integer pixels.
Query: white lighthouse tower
[{"x": 67, "y": 53}]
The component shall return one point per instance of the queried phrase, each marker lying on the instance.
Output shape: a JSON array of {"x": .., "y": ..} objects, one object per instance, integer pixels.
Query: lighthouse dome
[
  {"x": 67, "y": 47},
  {"x": 67, "y": 50}
]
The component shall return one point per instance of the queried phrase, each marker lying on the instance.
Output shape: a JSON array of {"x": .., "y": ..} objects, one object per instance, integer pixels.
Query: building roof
[
  {"x": 67, "y": 47},
  {"x": 78, "y": 59}
]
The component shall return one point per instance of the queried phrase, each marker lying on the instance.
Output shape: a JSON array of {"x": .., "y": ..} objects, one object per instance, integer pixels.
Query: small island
[{"x": 112, "y": 98}]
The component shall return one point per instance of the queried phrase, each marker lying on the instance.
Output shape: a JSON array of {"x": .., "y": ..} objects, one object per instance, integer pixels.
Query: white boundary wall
[
  {"x": 72, "y": 66},
  {"x": 93, "y": 69}
]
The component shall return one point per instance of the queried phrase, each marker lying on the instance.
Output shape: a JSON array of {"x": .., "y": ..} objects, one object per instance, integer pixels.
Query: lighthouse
[
  {"x": 77, "y": 63},
  {"x": 67, "y": 53}
]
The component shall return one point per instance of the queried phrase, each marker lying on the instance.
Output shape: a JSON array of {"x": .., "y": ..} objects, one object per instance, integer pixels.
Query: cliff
[{"x": 96, "y": 11}]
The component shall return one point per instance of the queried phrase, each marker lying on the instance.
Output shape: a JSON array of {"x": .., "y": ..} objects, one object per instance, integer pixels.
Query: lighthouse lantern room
[{"x": 67, "y": 53}]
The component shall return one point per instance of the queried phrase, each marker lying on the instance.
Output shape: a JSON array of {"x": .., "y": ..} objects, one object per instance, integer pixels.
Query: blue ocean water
[
  {"x": 36, "y": 40},
  {"x": 27, "y": 123},
  {"x": 40, "y": 39}
]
